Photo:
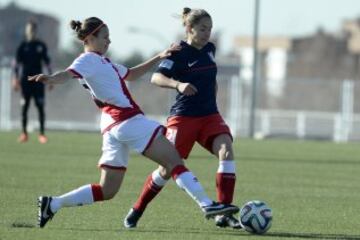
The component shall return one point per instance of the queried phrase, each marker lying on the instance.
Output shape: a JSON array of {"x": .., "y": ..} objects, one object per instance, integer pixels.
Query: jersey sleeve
[
  {"x": 83, "y": 66},
  {"x": 168, "y": 66},
  {"x": 122, "y": 70}
]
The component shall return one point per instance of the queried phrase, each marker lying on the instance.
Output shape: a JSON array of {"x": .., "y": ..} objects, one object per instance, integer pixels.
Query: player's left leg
[
  {"x": 226, "y": 174},
  {"x": 151, "y": 143},
  {"x": 216, "y": 138},
  {"x": 225, "y": 177},
  {"x": 39, "y": 96},
  {"x": 113, "y": 164},
  {"x": 162, "y": 152},
  {"x": 181, "y": 132},
  {"x": 110, "y": 182}
]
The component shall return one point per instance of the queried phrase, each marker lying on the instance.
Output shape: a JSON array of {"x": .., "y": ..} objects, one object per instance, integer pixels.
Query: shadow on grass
[{"x": 22, "y": 225}]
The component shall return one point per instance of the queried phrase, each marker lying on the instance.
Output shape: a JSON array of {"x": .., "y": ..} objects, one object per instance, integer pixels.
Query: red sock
[
  {"x": 150, "y": 190},
  {"x": 178, "y": 170},
  {"x": 225, "y": 184},
  {"x": 97, "y": 192}
]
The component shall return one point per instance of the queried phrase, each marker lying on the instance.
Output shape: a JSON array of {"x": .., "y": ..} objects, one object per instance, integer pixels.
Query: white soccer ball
[{"x": 256, "y": 217}]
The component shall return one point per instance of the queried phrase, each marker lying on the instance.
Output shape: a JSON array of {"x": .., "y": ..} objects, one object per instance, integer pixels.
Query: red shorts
[{"x": 183, "y": 132}]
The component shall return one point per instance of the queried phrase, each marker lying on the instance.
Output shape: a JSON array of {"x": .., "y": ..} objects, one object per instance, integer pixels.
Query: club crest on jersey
[
  {"x": 166, "y": 63},
  {"x": 211, "y": 55}
]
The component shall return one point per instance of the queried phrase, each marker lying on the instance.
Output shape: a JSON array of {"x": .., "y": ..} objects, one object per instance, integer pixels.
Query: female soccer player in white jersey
[
  {"x": 123, "y": 126},
  {"x": 194, "y": 117}
]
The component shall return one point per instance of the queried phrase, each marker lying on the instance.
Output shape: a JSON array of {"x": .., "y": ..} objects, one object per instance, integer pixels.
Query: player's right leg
[
  {"x": 162, "y": 152},
  {"x": 144, "y": 136},
  {"x": 154, "y": 183},
  {"x": 182, "y": 133},
  {"x": 109, "y": 185},
  {"x": 113, "y": 164},
  {"x": 25, "y": 104}
]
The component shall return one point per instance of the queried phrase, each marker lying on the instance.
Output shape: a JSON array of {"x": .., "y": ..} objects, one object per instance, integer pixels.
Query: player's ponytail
[
  {"x": 185, "y": 12},
  {"x": 75, "y": 25},
  {"x": 90, "y": 26},
  {"x": 191, "y": 17}
]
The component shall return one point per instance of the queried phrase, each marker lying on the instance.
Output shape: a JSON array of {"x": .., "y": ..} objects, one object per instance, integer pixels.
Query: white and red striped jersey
[{"x": 105, "y": 82}]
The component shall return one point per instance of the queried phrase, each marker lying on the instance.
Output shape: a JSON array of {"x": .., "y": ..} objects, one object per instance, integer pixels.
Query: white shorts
[{"x": 136, "y": 133}]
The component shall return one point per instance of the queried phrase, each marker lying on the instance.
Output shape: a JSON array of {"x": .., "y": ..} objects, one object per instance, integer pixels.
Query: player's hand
[
  {"x": 167, "y": 52},
  {"x": 39, "y": 78},
  {"x": 187, "y": 89},
  {"x": 16, "y": 84}
]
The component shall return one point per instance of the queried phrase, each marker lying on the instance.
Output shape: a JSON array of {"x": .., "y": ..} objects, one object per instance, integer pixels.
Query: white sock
[
  {"x": 227, "y": 166},
  {"x": 158, "y": 179},
  {"x": 188, "y": 182},
  {"x": 78, "y": 197}
]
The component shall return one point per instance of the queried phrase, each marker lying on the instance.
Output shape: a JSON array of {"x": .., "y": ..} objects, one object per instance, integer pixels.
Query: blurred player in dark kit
[{"x": 29, "y": 60}]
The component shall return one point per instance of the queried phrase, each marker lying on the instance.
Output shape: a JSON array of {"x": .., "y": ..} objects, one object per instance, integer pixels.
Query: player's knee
[
  {"x": 174, "y": 161},
  {"x": 40, "y": 102},
  {"x": 225, "y": 152},
  {"x": 109, "y": 192},
  {"x": 164, "y": 172}
]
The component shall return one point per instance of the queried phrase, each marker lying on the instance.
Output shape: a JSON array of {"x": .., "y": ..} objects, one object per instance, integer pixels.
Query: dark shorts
[
  {"x": 183, "y": 132},
  {"x": 33, "y": 89}
]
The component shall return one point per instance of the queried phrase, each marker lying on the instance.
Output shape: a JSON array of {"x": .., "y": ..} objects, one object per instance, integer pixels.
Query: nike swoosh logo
[{"x": 192, "y": 63}]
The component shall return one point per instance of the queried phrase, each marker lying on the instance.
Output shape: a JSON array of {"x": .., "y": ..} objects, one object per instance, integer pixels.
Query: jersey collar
[{"x": 186, "y": 45}]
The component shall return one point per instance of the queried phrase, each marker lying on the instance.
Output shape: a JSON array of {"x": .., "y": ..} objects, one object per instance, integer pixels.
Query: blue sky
[{"x": 231, "y": 17}]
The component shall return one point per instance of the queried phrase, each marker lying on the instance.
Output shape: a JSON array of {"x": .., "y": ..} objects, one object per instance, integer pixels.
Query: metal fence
[{"x": 307, "y": 108}]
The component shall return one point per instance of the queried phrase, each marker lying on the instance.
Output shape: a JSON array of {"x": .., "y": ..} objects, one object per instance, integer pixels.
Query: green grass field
[{"x": 313, "y": 189}]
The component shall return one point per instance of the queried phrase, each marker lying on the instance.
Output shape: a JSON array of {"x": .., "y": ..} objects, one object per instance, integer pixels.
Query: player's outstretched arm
[
  {"x": 139, "y": 70},
  {"x": 59, "y": 77}
]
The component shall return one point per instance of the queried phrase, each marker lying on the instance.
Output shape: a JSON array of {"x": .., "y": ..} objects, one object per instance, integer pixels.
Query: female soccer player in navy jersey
[
  {"x": 123, "y": 126},
  {"x": 194, "y": 117}
]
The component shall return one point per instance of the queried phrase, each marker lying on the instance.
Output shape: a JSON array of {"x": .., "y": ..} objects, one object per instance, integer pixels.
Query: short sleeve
[
  {"x": 168, "y": 66},
  {"x": 122, "y": 70},
  {"x": 83, "y": 66}
]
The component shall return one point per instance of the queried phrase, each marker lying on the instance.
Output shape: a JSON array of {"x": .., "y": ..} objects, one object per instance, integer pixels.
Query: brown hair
[
  {"x": 191, "y": 17},
  {"x": 87, "y": 27}
]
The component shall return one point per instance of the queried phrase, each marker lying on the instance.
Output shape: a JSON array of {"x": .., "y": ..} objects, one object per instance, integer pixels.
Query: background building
[{"x": 12, "y": 27}]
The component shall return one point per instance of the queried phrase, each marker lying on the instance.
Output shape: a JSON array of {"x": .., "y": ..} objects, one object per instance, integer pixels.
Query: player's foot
[
  {"x": 219, "y": 209},
  {"x": 227, "y": 221},
  {"x": 45, "y": 214},
  {"x": 42, "y": 139},
  {"x": 132, "y": 218},
  {"x": 23, "y": 138}
]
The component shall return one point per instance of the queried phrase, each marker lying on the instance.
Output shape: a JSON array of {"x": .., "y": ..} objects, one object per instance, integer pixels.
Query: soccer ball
[{"x": 256, "y": 217}]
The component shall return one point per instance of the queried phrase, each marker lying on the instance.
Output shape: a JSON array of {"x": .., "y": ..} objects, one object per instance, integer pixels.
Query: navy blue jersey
[
  {"x": 30, "y": 56},
  {"x": 198, "y": 67}
]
